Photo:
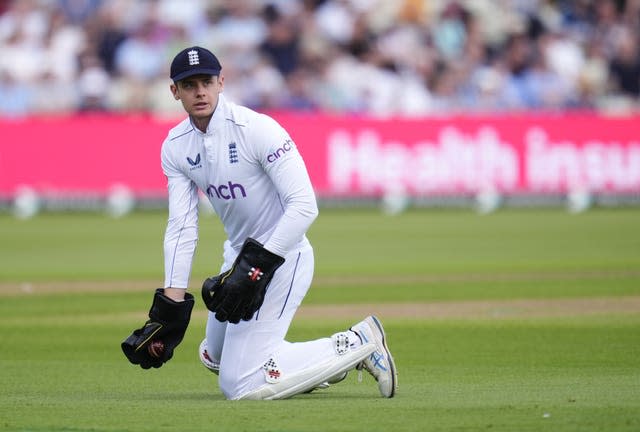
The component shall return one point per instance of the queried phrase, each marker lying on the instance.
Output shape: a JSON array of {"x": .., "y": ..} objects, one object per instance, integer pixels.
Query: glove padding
[
  {"x": 239, "y": 292},
  {"x": 168, "y": 321}
]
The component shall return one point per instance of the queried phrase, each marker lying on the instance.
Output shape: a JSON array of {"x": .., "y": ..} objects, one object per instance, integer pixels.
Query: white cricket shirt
[{"x": 251, "y": 172}]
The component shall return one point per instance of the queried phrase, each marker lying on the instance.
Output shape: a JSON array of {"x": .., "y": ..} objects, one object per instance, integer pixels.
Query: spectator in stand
[
  {"x": 93, "y": 84},
  {"x": 78, "y": 11},
  {"x": 141, "y": 56},
  {"x": 625, "y": 65},
  {"x": 546, "y": 89},
  {"x": 517, "y": 55},
  {"x": 281, "y": 42},
  {"x": 24, "y": 53},
  {"x": 240, "y": 29},
  {"x": 299, "y": 95},
  {"x": 139, "y": 59},
  {"x": 17, "y": 98},
  {"x": 105, "y": 34}
]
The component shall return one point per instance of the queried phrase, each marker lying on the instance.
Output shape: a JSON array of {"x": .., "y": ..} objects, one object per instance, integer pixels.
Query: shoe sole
[{"x": 392, "y": 365}]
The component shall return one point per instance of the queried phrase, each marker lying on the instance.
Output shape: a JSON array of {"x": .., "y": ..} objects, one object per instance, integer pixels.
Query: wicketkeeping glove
[
  {"x": 168, "y": 322},
  {"x": 239, "y": 292}
]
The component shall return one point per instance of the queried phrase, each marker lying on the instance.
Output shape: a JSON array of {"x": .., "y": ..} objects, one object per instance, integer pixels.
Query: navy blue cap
[{"x": 194, "y": 61}]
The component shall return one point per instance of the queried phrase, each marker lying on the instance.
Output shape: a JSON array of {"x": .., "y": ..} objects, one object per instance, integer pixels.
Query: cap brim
[{"x": 193, "y": 72}]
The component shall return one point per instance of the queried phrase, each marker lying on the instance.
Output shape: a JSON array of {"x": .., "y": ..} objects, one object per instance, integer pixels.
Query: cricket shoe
[
  {"x": 208, "y": 361},
  {"x": 380, "y": 363}
]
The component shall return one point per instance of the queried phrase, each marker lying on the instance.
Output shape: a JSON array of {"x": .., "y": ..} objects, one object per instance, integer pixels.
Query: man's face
[{"x": 198, "y": 94}]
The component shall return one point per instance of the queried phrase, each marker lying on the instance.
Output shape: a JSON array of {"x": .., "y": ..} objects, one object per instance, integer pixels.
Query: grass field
[{"x": 523, "y": 320}]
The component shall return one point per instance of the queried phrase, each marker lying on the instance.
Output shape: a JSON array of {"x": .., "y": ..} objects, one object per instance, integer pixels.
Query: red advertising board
[
  {"x": 83, "y": 154},
  {"x": 349, "y": 156}
]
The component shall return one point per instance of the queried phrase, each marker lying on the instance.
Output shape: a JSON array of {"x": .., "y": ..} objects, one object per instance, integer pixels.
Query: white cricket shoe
[
  {"x": 380, "y": 363},
  {"x": 208, "y": 361}
]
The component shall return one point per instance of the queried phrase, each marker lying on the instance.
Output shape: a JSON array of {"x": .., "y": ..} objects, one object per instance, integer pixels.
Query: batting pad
[{"x": 284, "y": 387}]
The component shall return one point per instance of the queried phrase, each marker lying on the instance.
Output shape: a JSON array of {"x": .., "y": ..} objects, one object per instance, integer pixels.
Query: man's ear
[
  {"x": 174, "y": 91},
  {"x": 221, "y": 82}
]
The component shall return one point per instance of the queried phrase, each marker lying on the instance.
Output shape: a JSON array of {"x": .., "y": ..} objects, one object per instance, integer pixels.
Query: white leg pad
[{"x": 307, "y": 379}]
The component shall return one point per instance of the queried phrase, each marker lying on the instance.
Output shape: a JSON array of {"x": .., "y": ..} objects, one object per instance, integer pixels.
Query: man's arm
[
  {"x": 181, "y": 234},
  {"x": 290, "y": 177},
  {"x": 153, "y": 344}
]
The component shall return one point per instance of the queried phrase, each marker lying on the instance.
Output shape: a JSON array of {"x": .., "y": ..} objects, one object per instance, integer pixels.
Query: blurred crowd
[{"x": 374, "y": 57}]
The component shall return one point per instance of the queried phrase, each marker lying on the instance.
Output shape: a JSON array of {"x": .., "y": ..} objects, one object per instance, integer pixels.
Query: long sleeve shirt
[{"x": 250, "y": 170}]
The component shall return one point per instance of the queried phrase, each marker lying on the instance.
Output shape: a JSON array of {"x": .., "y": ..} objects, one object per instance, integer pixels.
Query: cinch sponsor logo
[
  {"x": 288, "y": 145},
  {"x": 227, "y": 191}
]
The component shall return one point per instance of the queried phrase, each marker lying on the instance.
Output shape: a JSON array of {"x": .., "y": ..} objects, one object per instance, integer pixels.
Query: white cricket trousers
[{"x": 244, "y": 348}]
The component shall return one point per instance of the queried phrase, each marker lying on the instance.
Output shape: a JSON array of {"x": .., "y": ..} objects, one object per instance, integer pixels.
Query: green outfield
[{"x": 522, "y": 320}]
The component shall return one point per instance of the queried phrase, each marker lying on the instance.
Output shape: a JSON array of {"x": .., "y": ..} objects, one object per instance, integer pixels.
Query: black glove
[
  {"x": 239, "y": 292},
  {"x": 168, "y": 321}
]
